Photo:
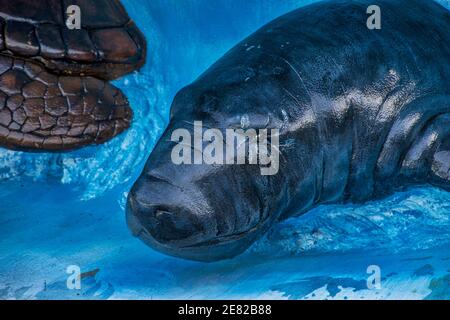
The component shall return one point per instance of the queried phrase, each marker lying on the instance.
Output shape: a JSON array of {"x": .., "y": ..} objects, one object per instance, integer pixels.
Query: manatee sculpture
[
  {"x": 54, "y": 93},
  {"x": 360, "y": 113}
]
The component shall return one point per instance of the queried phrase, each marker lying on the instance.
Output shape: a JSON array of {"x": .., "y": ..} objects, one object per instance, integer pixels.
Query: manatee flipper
[
  {"x": 440, "y": 167},
  {"x": 429, "y": 154}
]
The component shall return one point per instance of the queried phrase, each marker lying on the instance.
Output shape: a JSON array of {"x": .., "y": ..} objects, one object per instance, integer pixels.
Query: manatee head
[{"x": 209, "y": 210}]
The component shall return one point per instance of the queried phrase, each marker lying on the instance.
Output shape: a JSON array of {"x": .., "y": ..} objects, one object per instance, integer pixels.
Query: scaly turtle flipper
[{"x": 53, "y": 93}]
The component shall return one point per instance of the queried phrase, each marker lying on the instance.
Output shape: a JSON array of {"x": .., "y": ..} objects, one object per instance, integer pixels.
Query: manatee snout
[
  {"x": 165, "y": 222},
  {"x": 180, "y": 229},
  {"x": 193, "y": 211}
]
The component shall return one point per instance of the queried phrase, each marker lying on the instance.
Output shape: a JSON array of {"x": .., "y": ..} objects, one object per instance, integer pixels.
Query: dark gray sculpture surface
[{"x": 361, "y": 113}]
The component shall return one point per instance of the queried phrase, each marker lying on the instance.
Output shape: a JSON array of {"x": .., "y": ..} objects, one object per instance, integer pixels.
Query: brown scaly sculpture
[{"x": 54, "y": 93}]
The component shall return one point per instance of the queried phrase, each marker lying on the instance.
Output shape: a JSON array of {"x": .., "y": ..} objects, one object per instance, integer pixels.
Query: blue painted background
[{"x": 68, "y": 209}]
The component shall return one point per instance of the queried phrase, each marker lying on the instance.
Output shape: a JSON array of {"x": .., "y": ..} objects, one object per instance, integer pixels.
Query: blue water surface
[{"x": 67, "y": 209}]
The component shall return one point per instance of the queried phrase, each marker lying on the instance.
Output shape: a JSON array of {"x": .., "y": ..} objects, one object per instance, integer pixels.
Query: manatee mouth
[{"x": 54, "y": 89}]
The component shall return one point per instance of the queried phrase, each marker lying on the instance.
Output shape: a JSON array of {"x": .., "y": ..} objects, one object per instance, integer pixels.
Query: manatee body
[
  {"x": 361, "y": 113},
  {"x": 54, "y": 93}
]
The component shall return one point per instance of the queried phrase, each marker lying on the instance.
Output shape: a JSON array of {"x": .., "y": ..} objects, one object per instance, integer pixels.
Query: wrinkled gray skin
[{"x": 361, "y": 113}]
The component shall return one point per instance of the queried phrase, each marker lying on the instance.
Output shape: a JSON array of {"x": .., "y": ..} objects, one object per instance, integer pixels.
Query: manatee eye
[
  {"x": 206, "y": 99},
  {"x": 205, "y": 105},
  {"x": 250, "y": 121}
]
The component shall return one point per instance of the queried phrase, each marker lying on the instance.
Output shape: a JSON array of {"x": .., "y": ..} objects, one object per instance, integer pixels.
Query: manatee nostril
[{"x": 171, "y": 227}]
